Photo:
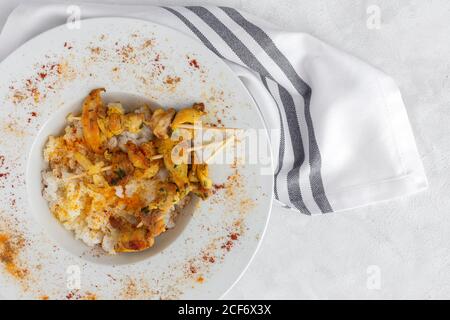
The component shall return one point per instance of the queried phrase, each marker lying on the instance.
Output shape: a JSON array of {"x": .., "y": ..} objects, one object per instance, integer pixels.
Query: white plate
[{"x": 47, "y": 78}]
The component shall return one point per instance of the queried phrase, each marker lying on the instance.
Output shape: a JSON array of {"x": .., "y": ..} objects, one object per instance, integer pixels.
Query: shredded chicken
[
  {"x": 160, "y": 122},
  {"x": 92, "y": 109}
]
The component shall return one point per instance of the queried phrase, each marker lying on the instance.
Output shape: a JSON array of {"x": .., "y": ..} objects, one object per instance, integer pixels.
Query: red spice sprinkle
[
  {"x": 193, "y": 269},
  {"x": 228, "y": 245},
  {"x": 33, "y": 114},
  {"x": 43, "y": 75},
  {"x": 219, "y": 186},
  {"x": 194, "y": 63},
  {"x": 4, "y": 175},
  {"x": 210, "y": 259},
  {"x": 234, "y": 236}
]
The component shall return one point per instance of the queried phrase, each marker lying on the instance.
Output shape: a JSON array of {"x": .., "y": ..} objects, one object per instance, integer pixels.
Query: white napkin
[{"x": 344, "y": 136}]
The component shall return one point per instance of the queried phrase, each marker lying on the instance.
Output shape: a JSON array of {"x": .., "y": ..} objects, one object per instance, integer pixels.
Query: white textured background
[{"x": 407, "y": 240}]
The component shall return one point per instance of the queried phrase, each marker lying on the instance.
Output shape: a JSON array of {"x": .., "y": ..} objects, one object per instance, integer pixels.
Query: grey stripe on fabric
[
  {"x": 293, "y": 176},
  {"x": 303, "y": 88},
  {"x": 194, "y": 29},
  {"x": 248, "y": 58},
  {"x": 282, "y": 142},
  {"x": 315, "y": 163},
  {"x": 230, "y": 38}
]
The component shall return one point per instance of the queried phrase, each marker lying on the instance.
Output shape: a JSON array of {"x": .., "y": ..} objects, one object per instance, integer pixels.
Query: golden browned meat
[
  {"x": 202, "y": 175},
  {"x": 137, "y": 156},
  {"x": 154, "y": 220},
  {"x": 122, "y": 169},
  {"x": 141, "y": 158},
  {"x": 175, "y": 163},
  {"x": 133, "y": 122},
  {"x": 149, "y": 149},
  {"x": 160, "y": 122},
  {"x": 116, "y": 121},
  {"x": 92, "y": 109},
  {"x": 187, "y": 115},
  {"x": 131, "y": 238},
  {"x": 199, "y": 191},
  {"x": 115, "y": 124},
  {"x": 155, "y": 213},
  {"x": 167, "y": 195}
]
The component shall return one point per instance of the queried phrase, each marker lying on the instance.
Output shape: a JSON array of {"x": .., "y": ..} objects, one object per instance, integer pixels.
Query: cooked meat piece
[
  {"x": 200, "y": 106},
  {"x": 116, "y": 223},
  {"x": 160, "y": 122},
  {"x": 149, "y": 149},
  {"x": 188, "y": 115},
  {"x": 203, "y": 176},
  {"x": 93, "y": 108},
  {"x": 137, "y": 156},
  {"x": 133, "y": 240},
  {"x": 167, "y": 196},
  {"x": 154, "y": 220},
  {"x": 178, "y": 171},
  {"x": 122, "y": 169},
  {"x": 200, "y": 191},
  {"x": 133, "y": 122}
]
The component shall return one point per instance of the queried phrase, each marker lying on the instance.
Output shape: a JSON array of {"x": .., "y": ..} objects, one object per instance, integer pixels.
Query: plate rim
[{"x": 254, "y": 106}]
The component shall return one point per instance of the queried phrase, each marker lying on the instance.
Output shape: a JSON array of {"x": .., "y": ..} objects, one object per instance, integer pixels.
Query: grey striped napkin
[{"x": 345, "y": 140}]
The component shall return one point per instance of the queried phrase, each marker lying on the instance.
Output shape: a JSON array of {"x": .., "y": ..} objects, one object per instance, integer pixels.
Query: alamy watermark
[
  {"x": 373, "y": 281},
  {"x": 73, "y": 280},
  {"x": 73, "y": 21},
  {"x": 201, "y": 143},
  {"x": 373, "y": 17}
]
